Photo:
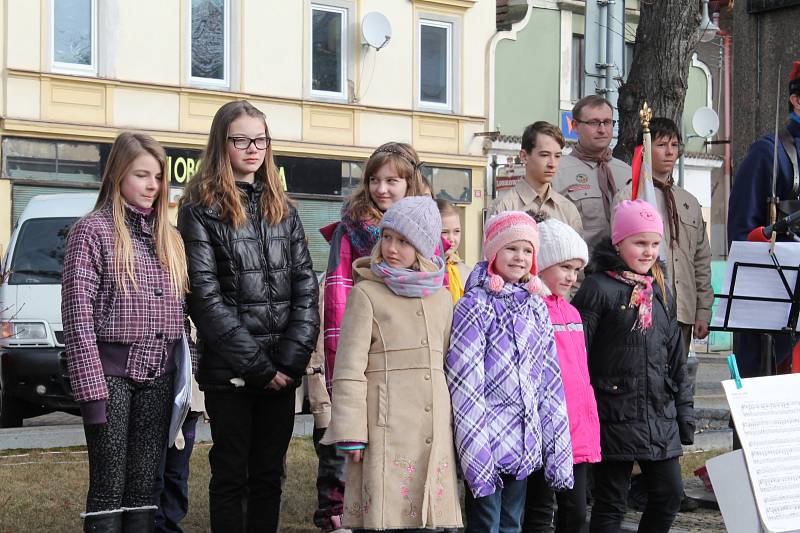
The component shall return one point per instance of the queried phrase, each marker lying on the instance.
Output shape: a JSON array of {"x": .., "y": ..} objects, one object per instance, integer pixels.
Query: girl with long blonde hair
[
  {"x": 123, "y": 292},
  {"x": 253, "y": 300}
]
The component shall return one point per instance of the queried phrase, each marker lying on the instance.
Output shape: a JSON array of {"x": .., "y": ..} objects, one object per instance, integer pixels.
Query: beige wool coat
[{"x": 389, "y": 391}]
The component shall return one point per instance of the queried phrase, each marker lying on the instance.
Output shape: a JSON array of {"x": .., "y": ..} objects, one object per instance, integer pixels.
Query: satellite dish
[
  {"x": 705, "y": 122},
  {"x": 375, "y": 30}
]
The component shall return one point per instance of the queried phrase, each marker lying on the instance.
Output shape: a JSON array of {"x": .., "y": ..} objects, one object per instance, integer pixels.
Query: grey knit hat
[
  {"x": 417, "y": 219},
  {"x": 559, "y": 242}
]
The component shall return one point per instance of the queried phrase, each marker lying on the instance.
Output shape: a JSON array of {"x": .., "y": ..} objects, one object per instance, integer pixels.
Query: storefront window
[
  {"x": 451, "y": 184},
  {"x": 51, "y": 160},
  {"x": 329, "y": 177}
]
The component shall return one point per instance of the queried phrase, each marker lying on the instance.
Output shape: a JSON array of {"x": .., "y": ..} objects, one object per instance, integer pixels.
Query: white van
[{"x": 33, "y": 377}]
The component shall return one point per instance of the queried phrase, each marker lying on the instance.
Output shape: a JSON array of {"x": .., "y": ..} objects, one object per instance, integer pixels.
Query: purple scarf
[{"x": 410, "y": 283}]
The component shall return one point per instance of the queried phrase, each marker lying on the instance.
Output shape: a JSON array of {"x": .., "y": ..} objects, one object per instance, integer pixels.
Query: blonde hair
[
  {"x": 658, "y": 276},
  {"x": 168, "y": 243},
  {"x": 215, "y": 182},
  {"x": 405, "y": 160}
]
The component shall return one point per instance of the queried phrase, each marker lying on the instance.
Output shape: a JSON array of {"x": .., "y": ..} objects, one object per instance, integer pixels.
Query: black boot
[
  {"x": 103, "y": 522},
  {"x": 139, "y": 520}
]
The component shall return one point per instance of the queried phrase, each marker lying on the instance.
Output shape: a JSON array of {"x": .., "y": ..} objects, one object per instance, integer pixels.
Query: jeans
[
  {"x": 251, "y": 433},
  {"x": 500, "y": 512},
  {"x": 124, "y": 453},
  {"x": 610, "y": 492},
  {"x": 171, "y": 488},
  {"x": 571, "y": 514}
]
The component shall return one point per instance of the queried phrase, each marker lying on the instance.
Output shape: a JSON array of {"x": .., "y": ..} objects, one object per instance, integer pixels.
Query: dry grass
[{"x": 45, "y": 491}]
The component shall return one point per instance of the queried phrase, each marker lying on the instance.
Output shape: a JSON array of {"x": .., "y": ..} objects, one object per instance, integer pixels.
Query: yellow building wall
[
  {"x": 148, "y": 43},
  {"x": 24, "y": 33},
  {"x": 380, "y": 84},
  {"x": 148, "y": 89},
  {"x": 272, "y": 51}
]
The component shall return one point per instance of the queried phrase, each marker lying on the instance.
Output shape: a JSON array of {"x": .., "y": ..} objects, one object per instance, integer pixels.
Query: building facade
[
  {"x": 538, "y": 75},
  {"x": 77, "y": 72}
]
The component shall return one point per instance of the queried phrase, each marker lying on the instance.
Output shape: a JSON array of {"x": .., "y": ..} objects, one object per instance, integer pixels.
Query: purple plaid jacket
[
  {"x": 509, "y": 410},
  {"x": 94, "y": 309}
]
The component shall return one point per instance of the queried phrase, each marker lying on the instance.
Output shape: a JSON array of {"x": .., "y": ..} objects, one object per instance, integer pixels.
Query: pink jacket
[
  {"x": 338, "y": 282},
  {"x": 584, "y": 426}
]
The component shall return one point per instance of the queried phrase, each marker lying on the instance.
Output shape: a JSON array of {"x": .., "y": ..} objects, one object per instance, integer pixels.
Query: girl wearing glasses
[{"x": 253, "y": 298}]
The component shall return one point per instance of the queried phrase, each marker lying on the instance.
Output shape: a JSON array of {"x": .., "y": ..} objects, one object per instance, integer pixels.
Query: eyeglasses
[
  {"x": 597, "y": 123},
  {"x": 243, "y": 143}
]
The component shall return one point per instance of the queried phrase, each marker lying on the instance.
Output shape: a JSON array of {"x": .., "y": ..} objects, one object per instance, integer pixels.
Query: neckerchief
[
  {"x": 363, "y": 235},
  {"x": 641, "y": 297},
  {"x": 794, "y": 116},
  {"x": 456, "y": 286},
  {"x": 604, "y": 176},
  {"x": 410, "y": 283},
  {"x": 672, "y": 210}
]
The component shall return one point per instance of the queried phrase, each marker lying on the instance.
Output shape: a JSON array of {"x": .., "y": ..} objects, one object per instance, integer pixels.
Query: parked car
[{"x": 33, "y": 377}]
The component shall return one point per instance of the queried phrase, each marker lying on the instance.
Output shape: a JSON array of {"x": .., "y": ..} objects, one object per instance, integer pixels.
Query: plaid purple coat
[
  {"x": 94, "y": 308},
  {"x": 509, "y": 410}
]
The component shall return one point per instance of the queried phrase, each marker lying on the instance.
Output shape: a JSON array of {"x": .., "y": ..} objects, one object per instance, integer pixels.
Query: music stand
[{"x": 761, "y": 297}]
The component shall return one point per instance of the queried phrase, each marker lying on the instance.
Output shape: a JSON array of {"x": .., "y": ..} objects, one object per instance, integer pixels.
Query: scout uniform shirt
[
  {"x": 523, "y": 198},
  {"x": 577, "y": 181}
]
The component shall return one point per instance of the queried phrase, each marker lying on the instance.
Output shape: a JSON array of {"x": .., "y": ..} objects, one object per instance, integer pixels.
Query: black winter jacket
[
  {"x": 253, "y": 294},
  {"x": 644, "y": 397}
]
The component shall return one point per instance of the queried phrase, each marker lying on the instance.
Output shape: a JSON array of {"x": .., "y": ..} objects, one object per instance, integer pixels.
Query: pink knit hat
[
  {"x": 635, "y": 216},
  {"x": 502, "y": 229}
]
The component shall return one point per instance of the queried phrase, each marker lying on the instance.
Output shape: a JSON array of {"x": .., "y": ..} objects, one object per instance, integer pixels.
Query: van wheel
[{"x": 11, "y": 410}]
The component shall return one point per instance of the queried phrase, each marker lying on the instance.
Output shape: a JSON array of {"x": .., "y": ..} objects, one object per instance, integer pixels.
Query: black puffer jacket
[
  {"x": 253, "y": 294},
  {"x": 644, "y": 398}
]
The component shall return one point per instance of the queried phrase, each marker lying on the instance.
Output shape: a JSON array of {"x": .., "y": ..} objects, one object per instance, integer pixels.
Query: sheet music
[
  {"x": 766, "y": 412},
  {"x": 768, "y": 316}
]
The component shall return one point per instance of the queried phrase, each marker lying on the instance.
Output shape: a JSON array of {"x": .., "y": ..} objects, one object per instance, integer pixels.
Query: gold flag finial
[{"x": 645, "y": 115}]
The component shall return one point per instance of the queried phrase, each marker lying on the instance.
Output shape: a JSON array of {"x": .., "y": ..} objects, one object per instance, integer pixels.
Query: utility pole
[{"x": 604, "y": 49}]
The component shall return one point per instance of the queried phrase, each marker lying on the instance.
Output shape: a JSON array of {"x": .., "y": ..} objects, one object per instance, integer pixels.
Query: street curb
[{"x": 46, "y": 437}]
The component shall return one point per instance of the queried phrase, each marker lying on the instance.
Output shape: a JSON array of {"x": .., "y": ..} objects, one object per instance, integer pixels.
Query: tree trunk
[{"x": 665, "y": 40}]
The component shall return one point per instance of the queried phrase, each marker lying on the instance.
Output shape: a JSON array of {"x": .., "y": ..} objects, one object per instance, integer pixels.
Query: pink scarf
[{"x": 641, "y": 297}]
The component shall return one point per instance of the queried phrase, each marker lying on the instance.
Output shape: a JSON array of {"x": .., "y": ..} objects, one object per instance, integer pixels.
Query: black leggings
[
  {"x": 571, "y": 514},
  {"x": 125, "y": 452}
]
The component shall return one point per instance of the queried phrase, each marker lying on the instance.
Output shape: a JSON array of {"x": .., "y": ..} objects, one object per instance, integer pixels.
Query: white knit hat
[{"x": 558, "y": 242}]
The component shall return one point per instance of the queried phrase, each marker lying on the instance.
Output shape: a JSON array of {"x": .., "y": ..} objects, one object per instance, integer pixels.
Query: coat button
[
  {"x": 427, "y": 377},
  {"x": 159, "y": 335},
  {"x": 428, "y": 440},
  {"x": 424, "y": 342},
  {"x": 419, "y": 312},
  {"x": 427, "y": 408},
  {"x": 158, "y": 292}
]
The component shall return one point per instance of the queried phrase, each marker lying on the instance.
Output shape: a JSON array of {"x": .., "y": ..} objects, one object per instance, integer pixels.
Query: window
[
  {"x": 39, "y": 253},
  {"x": 576, "y": 93},
  {"x": 451, "y": 184},
  {"x": 328, "y": 51},
  {"x": 435, "y": 49},
  {"x": 209, "y": 38},
  {"x": 74, "y": 36},
  {"x": 628, "y": 58}
]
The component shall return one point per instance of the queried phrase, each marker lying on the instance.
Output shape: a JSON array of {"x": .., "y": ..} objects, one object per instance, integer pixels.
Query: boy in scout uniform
[
  {"x": 542, "y": 144},
  {"x": 590, "y": 176}
]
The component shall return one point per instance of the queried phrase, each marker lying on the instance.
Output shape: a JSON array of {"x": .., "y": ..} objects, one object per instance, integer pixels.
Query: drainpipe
[{"x": 727, "y": 163}]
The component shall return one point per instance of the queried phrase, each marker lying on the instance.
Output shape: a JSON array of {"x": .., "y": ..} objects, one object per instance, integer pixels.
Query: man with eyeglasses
[{"x": 590, "y": 176}]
